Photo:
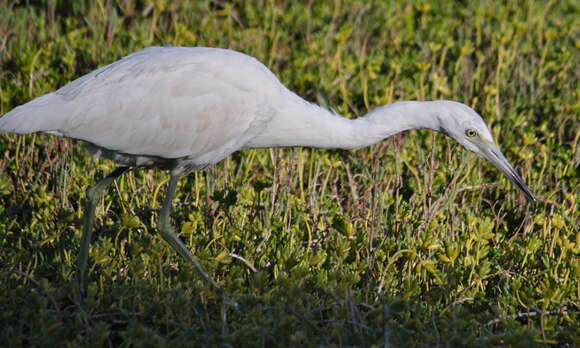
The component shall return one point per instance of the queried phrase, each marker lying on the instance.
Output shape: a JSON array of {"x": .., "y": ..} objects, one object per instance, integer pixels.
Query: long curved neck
[{"x": 303, "y": 124}]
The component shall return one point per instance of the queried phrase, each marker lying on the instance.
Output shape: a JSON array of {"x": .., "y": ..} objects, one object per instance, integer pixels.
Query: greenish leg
[
  {"x": 168, "y": 233},
  {"x": 93, "y": 196}
]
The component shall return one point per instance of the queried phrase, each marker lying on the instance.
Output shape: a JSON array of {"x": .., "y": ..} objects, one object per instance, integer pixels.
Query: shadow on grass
[{"x": 136, "y": 311}]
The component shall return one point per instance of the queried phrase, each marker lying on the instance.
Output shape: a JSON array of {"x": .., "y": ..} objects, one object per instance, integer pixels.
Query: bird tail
[{"x": 31, "y": 117}]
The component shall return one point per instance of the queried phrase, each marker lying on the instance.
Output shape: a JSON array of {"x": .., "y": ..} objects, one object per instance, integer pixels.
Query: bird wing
[{"x": 169, "y": 102}]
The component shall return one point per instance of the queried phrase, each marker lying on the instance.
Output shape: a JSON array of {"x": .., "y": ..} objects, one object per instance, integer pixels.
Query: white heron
[{"x": 185, "y": 108}]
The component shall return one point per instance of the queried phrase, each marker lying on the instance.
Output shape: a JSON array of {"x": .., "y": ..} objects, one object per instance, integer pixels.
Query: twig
[
  {"x": 461, "y": 300},
  {"x": 236, "y": 256},
  {"x": 562, "y": 310}
]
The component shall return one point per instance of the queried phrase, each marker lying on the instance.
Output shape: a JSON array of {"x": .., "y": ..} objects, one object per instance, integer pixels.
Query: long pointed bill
[{"x": 494, "y": 155}]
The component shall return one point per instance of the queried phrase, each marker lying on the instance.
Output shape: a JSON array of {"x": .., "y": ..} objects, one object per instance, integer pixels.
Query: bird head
[{"x": 466, "y": 126}]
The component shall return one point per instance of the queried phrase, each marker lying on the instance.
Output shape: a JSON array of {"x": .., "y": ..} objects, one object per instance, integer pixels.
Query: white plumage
[
  {"x": 183, "y": 109},
  {"x": 197, "y": 104}
]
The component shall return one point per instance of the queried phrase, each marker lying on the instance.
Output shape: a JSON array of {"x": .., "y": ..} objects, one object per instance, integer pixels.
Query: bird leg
[
  {"x": 93, "y": 195},
  {"x": 168, "y": 233}
]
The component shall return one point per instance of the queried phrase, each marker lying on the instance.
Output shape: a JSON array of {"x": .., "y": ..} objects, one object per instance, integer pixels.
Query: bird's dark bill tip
[{"x": 502, "y": 164}]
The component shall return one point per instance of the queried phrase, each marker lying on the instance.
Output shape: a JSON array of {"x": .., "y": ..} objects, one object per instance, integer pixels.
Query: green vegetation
[{"x": 412, "y": 242}]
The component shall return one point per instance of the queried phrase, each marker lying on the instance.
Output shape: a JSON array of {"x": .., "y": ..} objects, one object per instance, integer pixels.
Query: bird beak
[{"x": 494, "y": 155}]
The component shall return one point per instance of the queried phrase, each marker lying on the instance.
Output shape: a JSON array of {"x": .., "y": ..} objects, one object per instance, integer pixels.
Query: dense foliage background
[{"x": 411, "y": 242}]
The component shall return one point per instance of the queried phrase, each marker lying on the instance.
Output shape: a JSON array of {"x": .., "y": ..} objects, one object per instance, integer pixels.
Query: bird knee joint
[
  {"x": 92, "y": 194},
  {"x": 162, "y": 225}
]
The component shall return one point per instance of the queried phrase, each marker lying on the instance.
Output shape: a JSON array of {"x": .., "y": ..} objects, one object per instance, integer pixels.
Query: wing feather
[{"x": 166, "y": 102}]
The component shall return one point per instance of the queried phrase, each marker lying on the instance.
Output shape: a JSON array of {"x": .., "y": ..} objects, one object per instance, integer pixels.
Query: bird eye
[{"x": 471, "y": 132}]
